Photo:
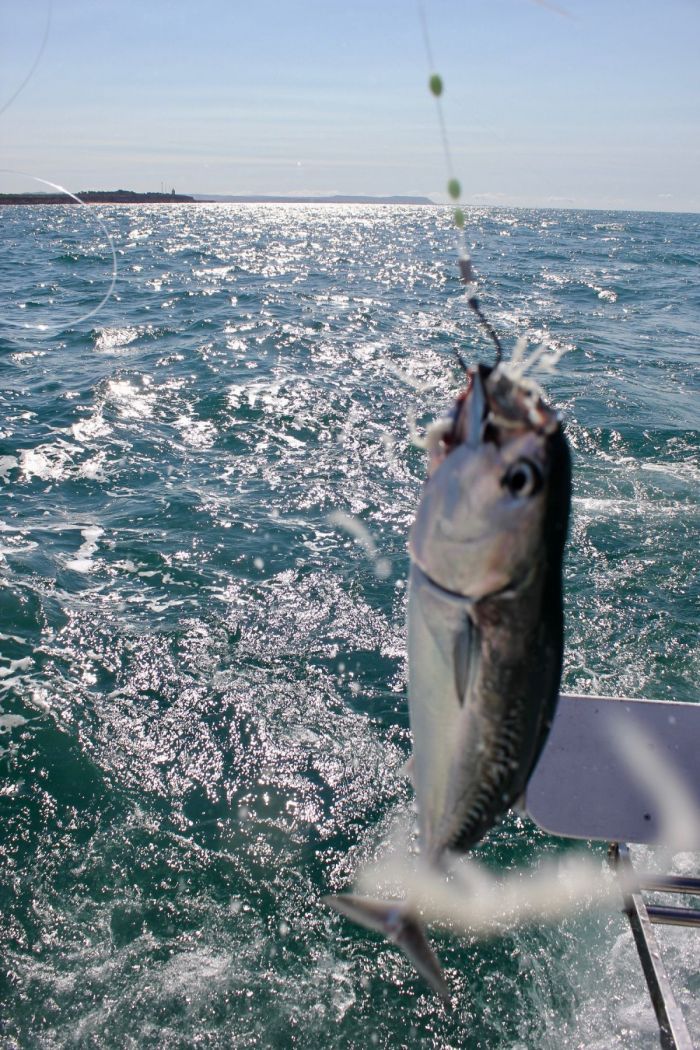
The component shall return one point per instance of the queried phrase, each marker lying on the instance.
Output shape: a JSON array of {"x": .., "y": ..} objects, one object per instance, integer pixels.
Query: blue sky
[{"x": 598, "y": 107}]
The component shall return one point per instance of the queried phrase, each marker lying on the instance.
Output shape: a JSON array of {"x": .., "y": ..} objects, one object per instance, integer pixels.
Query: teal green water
[{"x": 202, "y": 680}]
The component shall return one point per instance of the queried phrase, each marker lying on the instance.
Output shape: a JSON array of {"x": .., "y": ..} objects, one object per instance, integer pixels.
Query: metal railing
[{"x": 673, "y": 1030}]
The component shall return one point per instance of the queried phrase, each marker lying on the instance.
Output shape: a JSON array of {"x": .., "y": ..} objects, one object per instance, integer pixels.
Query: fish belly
[{"x": 483, "y": 680}]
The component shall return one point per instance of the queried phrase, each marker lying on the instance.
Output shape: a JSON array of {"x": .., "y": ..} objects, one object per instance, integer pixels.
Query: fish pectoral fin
[
  {"x": 399, "y": 924},
  {"x": 466, "y": 657}
]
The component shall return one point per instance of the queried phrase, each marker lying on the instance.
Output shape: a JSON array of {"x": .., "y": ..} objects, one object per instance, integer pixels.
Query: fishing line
[
  {"x": 466, "y": 270},
  {"x": 35, "y": 63},
  {"x": 57, "y": 326}
]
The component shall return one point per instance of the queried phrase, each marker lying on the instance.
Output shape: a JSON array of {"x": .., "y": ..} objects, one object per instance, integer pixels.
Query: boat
[{"x": 587, "y": 786}]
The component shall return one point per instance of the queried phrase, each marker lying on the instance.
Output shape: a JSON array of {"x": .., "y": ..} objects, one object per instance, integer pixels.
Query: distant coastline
[
  {"x": 340, "y": 198},
  {"x": 97, "y": 197},
  {"x": 131, "y": 197}
]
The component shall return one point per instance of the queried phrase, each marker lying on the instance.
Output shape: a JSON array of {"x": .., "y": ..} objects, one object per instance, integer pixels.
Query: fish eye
[{"x": 523, "y": 478}]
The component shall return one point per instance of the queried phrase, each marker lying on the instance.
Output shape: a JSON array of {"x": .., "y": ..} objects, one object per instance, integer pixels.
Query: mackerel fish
[{"x": 485, "y": 625}]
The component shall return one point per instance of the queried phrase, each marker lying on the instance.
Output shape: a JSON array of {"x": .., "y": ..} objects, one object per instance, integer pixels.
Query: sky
[{"x": 573, "y": 103}]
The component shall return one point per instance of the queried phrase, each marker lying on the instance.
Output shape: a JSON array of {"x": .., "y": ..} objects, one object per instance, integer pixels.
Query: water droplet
[{"x": 382, "y": 568}]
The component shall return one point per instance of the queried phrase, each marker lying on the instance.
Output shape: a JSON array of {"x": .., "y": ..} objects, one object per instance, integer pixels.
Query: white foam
[
  {"x": 88, "y": 429},
  {"x": 16, "y": 665},
  {"x": 129, "y": 400},
  {"x": 7, "y": 463},
  {"x": 199, "y": 433},
  {"x": 112, "y": 338},
  {"x": 10, "y": 722},
  {"x": 83, "y": 560},
  {"x": 47, "y": 462}
]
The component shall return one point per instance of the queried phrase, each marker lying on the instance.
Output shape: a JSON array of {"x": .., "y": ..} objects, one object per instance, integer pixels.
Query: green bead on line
[
  {"x": 459, "y": 218},
  {"x": 435, "y": 84},
  {"x": 454, "y": 189}
]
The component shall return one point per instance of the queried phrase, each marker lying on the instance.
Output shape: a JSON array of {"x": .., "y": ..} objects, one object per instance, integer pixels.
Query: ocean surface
[{"x": 202, "y": 676}]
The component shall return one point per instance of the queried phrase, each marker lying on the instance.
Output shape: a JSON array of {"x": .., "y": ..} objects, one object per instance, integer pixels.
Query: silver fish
[{"x": 485, "y": 625}]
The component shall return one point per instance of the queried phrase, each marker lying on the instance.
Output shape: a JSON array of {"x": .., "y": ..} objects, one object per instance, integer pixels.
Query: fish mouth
[
  {"x": 463, "y": 599},
  {"x": 506, "y": 591}
]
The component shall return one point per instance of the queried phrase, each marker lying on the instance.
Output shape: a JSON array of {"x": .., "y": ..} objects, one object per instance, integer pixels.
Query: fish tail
[{"x": 399, "y": 923}]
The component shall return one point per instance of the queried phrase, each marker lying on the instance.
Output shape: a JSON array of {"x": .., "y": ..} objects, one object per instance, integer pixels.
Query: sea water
[{"x": 203, "y": 673}]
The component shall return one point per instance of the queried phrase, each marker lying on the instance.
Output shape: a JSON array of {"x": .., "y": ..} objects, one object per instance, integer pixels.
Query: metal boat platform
[{"x": 591, "y": 783}]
